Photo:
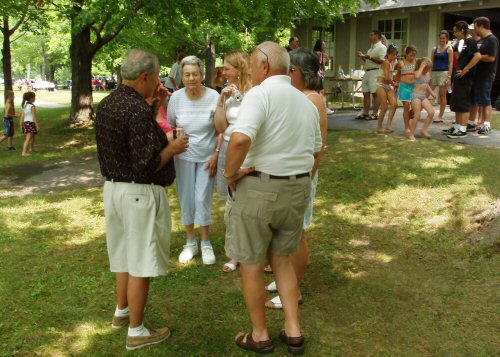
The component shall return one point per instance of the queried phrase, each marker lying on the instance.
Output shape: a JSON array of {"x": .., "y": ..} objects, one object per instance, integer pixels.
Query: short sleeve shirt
[
  {"x": 283, "y": 125},
  {"x": 129, "y": 140},
  {"x": 468, "y": 50},
  {"x": 378, "y": 51},
  {"x": 175, "y": 73},
  {"x": 197, "y": 118},
  {"x": 486, "y": 71}
]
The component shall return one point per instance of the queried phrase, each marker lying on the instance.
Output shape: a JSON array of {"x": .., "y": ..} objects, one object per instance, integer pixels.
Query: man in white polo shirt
[
  {"x": 278, "y": 135},
  {"x": 372, "y": 60}
]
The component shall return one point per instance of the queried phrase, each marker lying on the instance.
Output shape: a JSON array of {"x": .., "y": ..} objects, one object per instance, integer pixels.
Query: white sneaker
[
  {"x": 207, "y": 255},
  {"x": 329, "y": 111},
  {"x": 189, "y": 251}
]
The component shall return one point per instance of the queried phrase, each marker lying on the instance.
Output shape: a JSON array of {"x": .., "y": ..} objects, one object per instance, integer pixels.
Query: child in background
[
  {"x": 420, "y": 93},
  {"x": 406, "y": 77},
  {"x": 29, "y": 122},
  {"x": 385, "y": 91},
  {"x": 8, "y": 120}
]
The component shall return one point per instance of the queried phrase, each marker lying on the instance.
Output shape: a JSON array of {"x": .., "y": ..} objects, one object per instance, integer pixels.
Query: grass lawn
[
  {"x": 390, "y": 272},
  {"x": 56, "y": 140}
]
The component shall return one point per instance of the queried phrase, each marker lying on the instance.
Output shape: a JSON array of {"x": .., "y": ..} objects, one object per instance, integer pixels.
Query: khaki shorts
[
  {"x": 369, "y": 83},
  {"x": 265, "y": 215},
  {"x": 138, "y": 225},
  {"x": 439, "y": 78}
]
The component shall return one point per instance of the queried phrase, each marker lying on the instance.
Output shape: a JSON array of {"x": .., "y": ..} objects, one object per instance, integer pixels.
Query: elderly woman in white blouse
[
  {"x": 236, "y": 70},
  {"x": 193, "y": 109}
]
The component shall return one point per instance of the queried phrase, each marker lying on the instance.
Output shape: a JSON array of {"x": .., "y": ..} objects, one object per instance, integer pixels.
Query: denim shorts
[
  {"x": 405, "y": 92},
  {"x": 482, "y": 93}
]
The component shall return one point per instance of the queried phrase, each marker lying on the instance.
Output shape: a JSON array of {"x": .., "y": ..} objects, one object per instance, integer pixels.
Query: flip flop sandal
[
  {"x": 363, "y": 116},
  {"x": 268, "y": 269},
  {"x": 246, "y": 342},
  {"x": 277, "y": 305},
  {"x": 272, "y": 287},
  {"x": 295, "y": 344},
  {"x": 229, "y": 267}
]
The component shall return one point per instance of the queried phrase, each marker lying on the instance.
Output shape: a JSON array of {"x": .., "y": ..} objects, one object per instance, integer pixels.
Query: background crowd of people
[{"x": 465, "y": 69}]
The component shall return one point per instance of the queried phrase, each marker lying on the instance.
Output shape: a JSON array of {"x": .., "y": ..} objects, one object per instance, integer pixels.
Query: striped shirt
[{"x": 196, "y": 117}]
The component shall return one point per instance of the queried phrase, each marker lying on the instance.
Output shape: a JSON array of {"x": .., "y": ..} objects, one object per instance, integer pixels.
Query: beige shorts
[
  {"x": 138, "y": 225},
  {"x": 439, "y": 78},
  {"x": 369, "y": 83},
  {"x": 265, "y": 215}
]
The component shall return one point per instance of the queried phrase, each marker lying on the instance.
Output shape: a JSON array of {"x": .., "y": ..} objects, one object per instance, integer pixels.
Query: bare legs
[
  {"x": 426, "y": 104},
  {"x": 27, "y": 144},
  {"x": 286, "y": 282},
  {"x": 133, "y": 292},
  {"x": 406, "y": 116},
  {"x": 384, "y": 97},
  {"x": 442, "y": 100},
  {"x": 417, "y": 106},
  {"x": 252, "y": 278},
  {"x": 366, "y": 103},
  {"x": 192, "y": 235}
]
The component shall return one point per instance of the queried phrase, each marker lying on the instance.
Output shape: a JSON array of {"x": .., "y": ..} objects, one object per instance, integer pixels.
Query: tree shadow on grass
[{"x": 371, "y": 288}]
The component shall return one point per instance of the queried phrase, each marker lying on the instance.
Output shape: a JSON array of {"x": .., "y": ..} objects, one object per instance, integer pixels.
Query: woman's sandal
[
  {"x": 363, "y": 116},
  {"x": 275, "y": 303},
  {"x": 272, "y": 288},
  {"x": 245, "y": 341},
  {"x": 268, "y": 269},
  {"x": 229, "y": 267},
  {"x": 295, "y": 344}
]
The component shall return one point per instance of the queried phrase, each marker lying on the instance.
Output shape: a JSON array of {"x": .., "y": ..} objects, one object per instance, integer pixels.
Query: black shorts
[{"x": 461, "y": 98}]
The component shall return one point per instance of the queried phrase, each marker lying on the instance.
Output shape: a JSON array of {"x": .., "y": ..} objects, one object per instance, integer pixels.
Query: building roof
[{"x": 398, "y": 4}]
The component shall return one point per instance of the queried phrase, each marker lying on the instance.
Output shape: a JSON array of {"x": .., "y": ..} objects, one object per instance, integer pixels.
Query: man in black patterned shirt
[{"x": 136, "y": 160}]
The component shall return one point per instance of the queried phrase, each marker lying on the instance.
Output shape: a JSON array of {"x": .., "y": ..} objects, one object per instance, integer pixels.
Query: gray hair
[
  {"x": 277, "y": 56},
  {"x": 138, "y": 62},
  {"x": 194, "y": 61},
  {"x": 308, "y": 62}
]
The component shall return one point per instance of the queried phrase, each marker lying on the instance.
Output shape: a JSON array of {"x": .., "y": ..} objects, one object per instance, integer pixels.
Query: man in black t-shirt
[
  {"x": 485, "y": 73},
  {"x": 462, "y": 83}
]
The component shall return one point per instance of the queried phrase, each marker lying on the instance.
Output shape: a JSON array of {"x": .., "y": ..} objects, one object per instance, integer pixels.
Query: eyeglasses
[{"x": 265, "y": 54}]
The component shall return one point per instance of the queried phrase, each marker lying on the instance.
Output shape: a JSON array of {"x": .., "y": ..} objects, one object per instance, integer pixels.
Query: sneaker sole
[
  {"x": 148, "y": 344},
  {"x": 211, "y": 263},
  {"x": 456, "y": 137}
]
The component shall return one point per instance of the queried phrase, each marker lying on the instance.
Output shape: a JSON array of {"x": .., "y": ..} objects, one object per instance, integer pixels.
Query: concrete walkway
[
  {"x": 345, "y": 120},
  {"x": 83, "y": 172}
]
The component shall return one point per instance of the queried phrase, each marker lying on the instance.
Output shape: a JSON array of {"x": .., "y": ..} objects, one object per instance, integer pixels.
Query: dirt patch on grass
[
  {"x": 487, "y": 227},
  {"x": 81, "y": 172}
]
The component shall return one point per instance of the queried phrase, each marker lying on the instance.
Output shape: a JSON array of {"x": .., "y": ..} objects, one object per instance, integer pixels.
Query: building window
[
  {"x": 396, "y": 32},
  {"x": 327, "y": 35}
]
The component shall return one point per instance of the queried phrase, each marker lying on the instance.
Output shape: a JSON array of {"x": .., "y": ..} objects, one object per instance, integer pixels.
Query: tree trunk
[
  {"x": 52, "y": 73},
  {"x": 44, "y": 63},
  {"x": 82, "y": 112},
  {"x": 209, "y": 62},
  {"x": 6, "y": 56}
]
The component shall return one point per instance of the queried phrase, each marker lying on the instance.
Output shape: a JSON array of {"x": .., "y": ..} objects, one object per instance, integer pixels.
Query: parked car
[{"x": 43, "y": 85}]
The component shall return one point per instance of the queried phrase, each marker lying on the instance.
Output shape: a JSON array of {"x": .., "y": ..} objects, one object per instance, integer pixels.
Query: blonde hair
[
  {"x": 422, "y": 60},
  {"x": 241, "y": 61}
]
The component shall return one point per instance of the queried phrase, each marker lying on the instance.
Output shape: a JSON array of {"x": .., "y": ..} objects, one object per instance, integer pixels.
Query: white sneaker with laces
[
  {"x": 207, "y": 255},
  {"x": 189, "y": 251}
]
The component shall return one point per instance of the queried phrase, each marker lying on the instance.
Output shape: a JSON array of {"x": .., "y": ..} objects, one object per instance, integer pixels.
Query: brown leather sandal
[
  {"x": 246, "y": 342},
  {"x": 295, "y": 344}
]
